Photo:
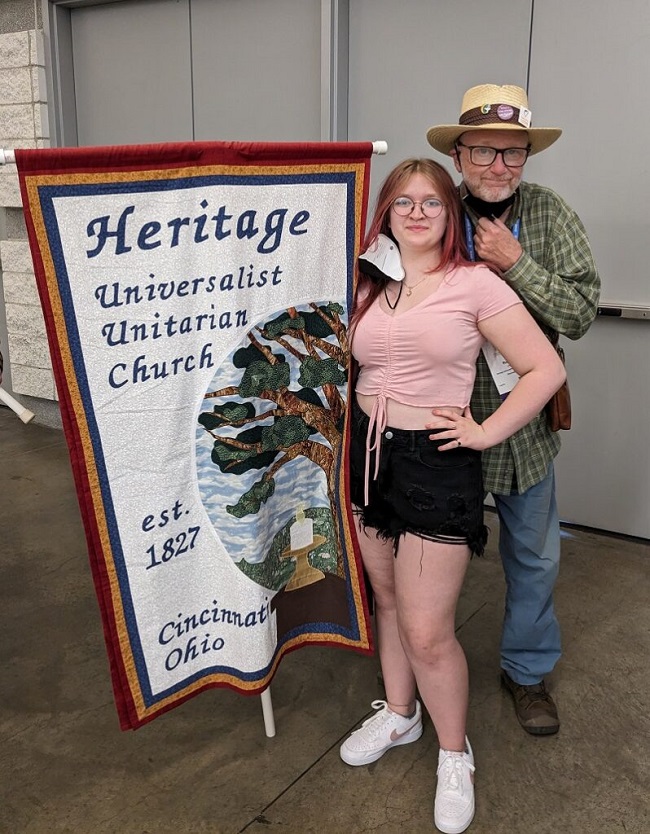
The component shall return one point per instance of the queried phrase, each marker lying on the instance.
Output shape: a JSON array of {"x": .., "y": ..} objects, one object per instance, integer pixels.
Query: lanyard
[{"x": 469, "y": 234}]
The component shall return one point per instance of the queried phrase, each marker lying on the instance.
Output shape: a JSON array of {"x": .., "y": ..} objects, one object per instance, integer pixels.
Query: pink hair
[{"x": 453, "y": 251}]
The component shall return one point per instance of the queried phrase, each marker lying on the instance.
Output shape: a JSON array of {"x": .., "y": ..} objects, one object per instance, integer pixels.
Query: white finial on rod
[
  {"x": 380, "y": 147},
  {"x": 6, "y": 156}
]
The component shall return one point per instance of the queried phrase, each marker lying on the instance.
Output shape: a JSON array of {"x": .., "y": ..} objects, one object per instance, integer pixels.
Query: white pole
[
  {"x": 267, "y": 711},
  {"x": 6, "y": 156},
  {"x": 24, "y": 413},
  {"x": 380, "y": 147}
]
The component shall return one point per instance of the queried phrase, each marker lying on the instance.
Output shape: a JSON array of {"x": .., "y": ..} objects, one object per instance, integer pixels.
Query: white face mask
[{"x": 383, "y": 260}]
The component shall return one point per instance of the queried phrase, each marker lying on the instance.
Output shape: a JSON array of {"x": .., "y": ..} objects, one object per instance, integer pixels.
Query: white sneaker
[
  {"x": 378, "y": 734},
  {"x": 454, "y": 806}
]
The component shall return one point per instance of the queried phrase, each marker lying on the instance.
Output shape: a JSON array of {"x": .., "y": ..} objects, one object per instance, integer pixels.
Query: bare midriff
[{"x": 401, "y": 416}]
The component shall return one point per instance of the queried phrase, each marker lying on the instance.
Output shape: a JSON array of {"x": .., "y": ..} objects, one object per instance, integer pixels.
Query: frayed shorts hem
[{"x": 475, "y": 541}]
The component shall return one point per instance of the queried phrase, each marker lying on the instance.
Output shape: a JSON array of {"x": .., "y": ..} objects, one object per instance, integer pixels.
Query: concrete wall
[{"x": 23, "y": 124}]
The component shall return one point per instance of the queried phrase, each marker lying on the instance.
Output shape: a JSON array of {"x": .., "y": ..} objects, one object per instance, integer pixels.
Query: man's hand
[{"x": 495, "y": 243}]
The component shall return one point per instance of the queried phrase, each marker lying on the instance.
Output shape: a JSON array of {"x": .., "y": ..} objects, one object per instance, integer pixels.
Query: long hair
[{"x": 453, "y": 251}]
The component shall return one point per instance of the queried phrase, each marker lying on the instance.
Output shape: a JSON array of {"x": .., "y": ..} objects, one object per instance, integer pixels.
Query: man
[{"x": 541, "y": 248}]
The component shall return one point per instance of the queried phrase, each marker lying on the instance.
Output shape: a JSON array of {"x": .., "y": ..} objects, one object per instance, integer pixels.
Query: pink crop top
[{"x": 427, "y": 355}]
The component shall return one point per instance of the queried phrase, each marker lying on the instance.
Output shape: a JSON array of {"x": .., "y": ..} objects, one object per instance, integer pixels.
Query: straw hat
[{"x": 493, "y": 107}]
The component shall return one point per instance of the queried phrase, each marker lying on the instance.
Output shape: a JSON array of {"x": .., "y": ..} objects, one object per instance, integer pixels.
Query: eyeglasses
[
  {"x": 512, "y": 157},
  {"x": 431, "y": 208}
]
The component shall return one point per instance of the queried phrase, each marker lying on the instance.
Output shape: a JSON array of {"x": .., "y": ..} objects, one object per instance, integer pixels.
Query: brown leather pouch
[{"x": 558, "y": 408}]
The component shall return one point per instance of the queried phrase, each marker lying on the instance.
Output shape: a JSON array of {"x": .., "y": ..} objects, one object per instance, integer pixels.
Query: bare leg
[
  {"x": 379, "y": 562},
  {"x": 428, "y": 579}
]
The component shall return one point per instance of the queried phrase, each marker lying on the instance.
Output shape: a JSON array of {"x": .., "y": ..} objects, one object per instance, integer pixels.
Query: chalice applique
[{"x": 301, "y": 542}]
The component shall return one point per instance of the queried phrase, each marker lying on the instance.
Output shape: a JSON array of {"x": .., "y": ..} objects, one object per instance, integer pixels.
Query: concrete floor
[{"x": 207, "y": 766}]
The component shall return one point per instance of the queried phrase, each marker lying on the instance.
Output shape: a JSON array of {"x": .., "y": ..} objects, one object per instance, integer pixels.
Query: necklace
[
  {"x": 399, "y": 295},
  {"x": 409, "y": 290}
]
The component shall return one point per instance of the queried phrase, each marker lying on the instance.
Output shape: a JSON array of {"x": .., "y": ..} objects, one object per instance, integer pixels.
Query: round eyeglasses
[
  {"x": 431, "y": 208},
  {"x": 485, "y": 156}
]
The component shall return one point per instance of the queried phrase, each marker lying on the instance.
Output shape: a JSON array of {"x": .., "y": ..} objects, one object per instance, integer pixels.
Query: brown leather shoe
[{"x": 535, "y": 708}]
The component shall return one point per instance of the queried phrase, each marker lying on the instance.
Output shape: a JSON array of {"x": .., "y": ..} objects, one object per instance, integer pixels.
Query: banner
[{"x": 196, "y": 300}]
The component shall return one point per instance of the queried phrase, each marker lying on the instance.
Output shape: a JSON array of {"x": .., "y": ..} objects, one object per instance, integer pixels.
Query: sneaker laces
[
  {"x": 450, "y": 771},
  {"x": 377, "y": 720}
]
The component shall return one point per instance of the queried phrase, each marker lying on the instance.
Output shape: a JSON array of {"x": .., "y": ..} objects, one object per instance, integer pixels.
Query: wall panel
[
  {"x": 256, "y": 70},
  {"x": 589, "y": 73},
  {"x": 132, "y": 72}
]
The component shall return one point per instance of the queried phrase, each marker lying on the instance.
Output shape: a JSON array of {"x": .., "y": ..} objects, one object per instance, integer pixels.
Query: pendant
[{"x": 409, "y": 292}]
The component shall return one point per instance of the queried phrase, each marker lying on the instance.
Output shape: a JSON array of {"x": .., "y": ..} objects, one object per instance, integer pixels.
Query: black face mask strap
[{"x": 485, "y": 209}]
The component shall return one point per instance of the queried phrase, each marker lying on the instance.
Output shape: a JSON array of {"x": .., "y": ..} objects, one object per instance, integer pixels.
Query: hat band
[{"x": 495, "y": 114}]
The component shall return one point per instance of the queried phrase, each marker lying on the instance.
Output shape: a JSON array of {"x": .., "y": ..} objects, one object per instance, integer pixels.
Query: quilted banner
[{"x": 196, "y": 300}]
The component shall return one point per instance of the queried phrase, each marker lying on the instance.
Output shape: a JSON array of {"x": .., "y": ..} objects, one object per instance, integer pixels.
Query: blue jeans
[{"x": 529, "y": 543}]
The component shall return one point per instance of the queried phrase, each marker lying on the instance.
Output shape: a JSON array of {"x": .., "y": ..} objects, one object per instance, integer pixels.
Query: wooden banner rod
[{"x": 8, "y": 156}]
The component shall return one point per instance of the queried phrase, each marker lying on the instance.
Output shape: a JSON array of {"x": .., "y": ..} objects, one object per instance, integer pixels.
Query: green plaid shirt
[{"x": 557, "y": 280}]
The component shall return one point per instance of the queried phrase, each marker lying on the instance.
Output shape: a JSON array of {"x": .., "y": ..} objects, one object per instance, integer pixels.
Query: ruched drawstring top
[{"x": 425, "y": 356}]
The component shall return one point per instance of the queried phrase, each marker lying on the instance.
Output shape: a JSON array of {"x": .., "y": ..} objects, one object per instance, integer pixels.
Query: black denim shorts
[{"x": 435, "y": 495}]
